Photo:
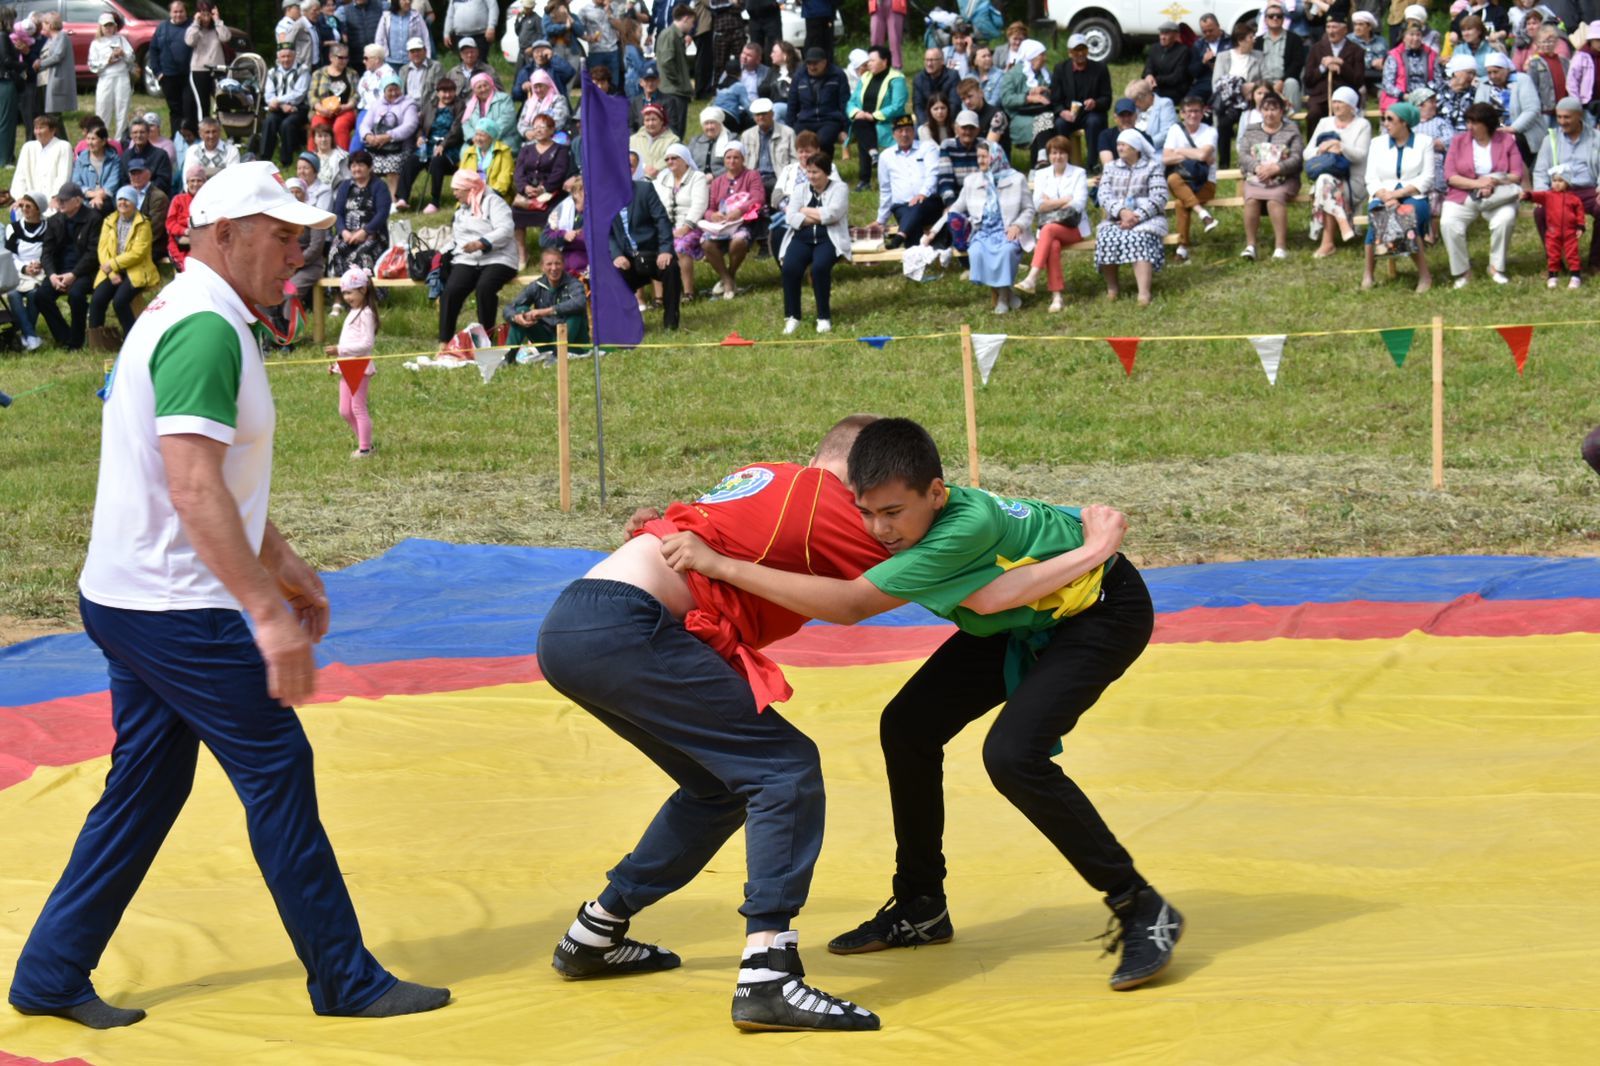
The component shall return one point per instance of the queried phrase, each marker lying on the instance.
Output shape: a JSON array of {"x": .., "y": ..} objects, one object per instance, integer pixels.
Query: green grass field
[{"x": 1209, "y": 461}]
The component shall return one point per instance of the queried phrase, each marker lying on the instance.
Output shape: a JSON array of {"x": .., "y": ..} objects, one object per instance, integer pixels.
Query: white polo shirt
[{"x": 191, "y": 364}]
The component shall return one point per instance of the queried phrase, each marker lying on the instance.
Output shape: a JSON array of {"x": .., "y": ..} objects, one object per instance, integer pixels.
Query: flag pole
[
  {"x": 599, "y": 422},
  {"x": 563, "y": 417}
]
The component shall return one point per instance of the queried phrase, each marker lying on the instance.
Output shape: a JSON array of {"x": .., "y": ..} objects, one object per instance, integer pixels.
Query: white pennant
[
  {"x": 489, "y": 360},
  {"x": 986, "y": 346},
  {"x": 1270, "y": 350}
]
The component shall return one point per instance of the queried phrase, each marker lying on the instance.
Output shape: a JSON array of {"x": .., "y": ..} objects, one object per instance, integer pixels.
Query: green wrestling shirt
[{"x": 977, "y": 537}]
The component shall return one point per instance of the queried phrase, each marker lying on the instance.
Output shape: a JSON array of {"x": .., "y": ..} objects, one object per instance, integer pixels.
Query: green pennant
[{"x": 1398, "y": 341}]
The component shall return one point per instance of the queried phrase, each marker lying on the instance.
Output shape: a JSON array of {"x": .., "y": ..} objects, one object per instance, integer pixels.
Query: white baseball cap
[
  {"x": 414, "y": 43},
  {"x": 968, "y": 118},
  {"x": 255, "y": 188},
  {"x": 1416, "y": 13},
  {"x": 466, "y": 42},
  {"x": 760, "y": 106},
  {"x": 1077, "y": 40}
]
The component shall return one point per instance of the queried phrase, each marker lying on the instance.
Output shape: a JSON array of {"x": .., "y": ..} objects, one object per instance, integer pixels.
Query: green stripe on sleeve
[{"x": 196, "y": 368}]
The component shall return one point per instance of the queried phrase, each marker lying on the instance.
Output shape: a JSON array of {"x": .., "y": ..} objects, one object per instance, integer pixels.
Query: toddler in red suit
[{"x": 1563, "y": 213}]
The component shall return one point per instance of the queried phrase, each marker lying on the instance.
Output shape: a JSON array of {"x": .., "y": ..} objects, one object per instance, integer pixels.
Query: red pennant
[
  {"x": 733, "y": 340},
  {"x": 502, "y": 334},
  {"x": 1126, "y": 348},
  {"x": 354, "y": 370},
  {"x": 1517, "y": 338}
]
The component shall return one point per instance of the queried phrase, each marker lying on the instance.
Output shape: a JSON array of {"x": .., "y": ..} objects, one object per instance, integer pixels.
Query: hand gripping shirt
[
  {"x": 796, "y": 518},
  {"x": 190, "y": 365}
]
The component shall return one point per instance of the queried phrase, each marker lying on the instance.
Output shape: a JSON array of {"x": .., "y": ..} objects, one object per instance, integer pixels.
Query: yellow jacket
[
  {"x": 501, "y": 167},
  {"x": 134, "y": 262}
]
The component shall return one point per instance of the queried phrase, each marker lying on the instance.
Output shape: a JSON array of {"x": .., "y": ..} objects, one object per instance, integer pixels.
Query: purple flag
[{"x": 607, "y": 192}]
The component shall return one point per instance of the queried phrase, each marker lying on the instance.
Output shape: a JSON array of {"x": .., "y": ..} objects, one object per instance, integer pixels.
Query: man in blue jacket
[
  {"x": 641, "y": 248},
  {"x": 817, "y": 98},
  {"x": 169, "y": 58}
]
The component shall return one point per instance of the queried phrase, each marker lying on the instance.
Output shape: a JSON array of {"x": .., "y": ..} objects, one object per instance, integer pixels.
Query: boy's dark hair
[{"x": 894, "y": 449}]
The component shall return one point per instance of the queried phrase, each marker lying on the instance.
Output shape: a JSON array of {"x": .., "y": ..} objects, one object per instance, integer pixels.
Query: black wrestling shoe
[
  {"x": 913, "y": 923},
  {"x": 618, "y": 959},
  {"x": 1148, "y": 928},
  {"x": 788, "y": 1004}
]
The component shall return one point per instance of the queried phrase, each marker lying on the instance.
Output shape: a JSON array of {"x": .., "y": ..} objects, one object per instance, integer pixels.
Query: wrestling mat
[{"x": 1370, "y": 784}]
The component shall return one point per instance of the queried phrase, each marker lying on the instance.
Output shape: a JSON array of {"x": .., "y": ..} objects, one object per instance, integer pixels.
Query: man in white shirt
[
  {"x": 45, "y": 163},
  {"x": 180, "y": 551},
  {"x": 908, "y": 176}
]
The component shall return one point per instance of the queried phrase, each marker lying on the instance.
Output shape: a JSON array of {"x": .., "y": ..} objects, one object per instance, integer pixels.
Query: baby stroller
[{"x": 239, "y": 100}]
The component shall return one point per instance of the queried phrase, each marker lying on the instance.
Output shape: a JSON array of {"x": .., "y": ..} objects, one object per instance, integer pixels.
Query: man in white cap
[
  {"x": 1517, "y": 98},
  {"x": 421, "y": 72},
  {"x": 1334, "y": 62},
  {"x": 181, "y": 551},
  {"x": 471, "y": 64},
  {"x": 768, "y": 144},
  {"x": 1080, "y": 93},
  {"x": 1576, "y": 148}
]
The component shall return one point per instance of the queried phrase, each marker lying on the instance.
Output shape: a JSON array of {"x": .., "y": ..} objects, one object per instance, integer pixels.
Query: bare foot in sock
[
  {"x": 96, "y": 1014},
  {"x": 405, "y": 997}
]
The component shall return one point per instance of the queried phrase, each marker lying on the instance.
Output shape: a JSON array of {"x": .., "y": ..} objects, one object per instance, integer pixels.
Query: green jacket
[
  {"x": 894, "y": 100},
  {"x": 673, "y": 61},
  {"x": 1013, "y": 98}
]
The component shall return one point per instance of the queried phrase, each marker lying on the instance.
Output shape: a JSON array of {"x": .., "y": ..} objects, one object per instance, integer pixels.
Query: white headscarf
[
  {"x": 1140, "y": 142},
  {"x": 1027, "y": 52}
]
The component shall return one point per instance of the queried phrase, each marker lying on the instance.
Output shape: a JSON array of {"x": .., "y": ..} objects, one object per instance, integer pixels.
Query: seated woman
[
  {"x": 483, "y": 253},
  {"x": 544, "y": 99},
  {"x": 25, "y": 242},
  {"x": 816, "y": 235},
  {"x": 438, "y": 147},
  {"x": 387, "y": 129},
  {"x": 1438, "y": 129},
  {"x": 178, "y": 217},
  {"x": 707, "y": 146},
  {"x": 564, "y": 231},
  {"x": 490, "y": 108},
  {"x": 1133, "y": 195},
  {"x": 126, "y": 241},
  {"x": 732, "y": 219},
  {"x": 1235, "y": 74},
  {"x": 1336, "y": 163},
  {"x": 684, "y": 192},
  {"x": 1270, "y": 159},
  {"x": 880, "y": 97},
  {"x": 314, "y": 246},
  {"x": 653, "y": 140},
  {"x": 1060, "y": 210},
  {"x": 1399, "y": 178},
  {"x": 996, "y": 202},
  {"x": 360, "y": 219},
  {"x": 941, "y": 124},
  {"x": 555, "y": 296},
  {"x": 97, "y": 170},
  {"x": 543, "y": 167},
  {"x": 1483, "y": 172},
  {"x": 306, "y": 168},
  {"x": 333, "y": 162},
  {"x": 492, "y": 161}
]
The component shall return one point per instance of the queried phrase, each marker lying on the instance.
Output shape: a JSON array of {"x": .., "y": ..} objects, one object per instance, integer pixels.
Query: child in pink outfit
[{"x": 356, "y": 339}]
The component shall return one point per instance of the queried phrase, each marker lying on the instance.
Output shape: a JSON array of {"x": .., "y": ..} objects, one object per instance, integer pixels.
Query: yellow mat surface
[{"x": 1385, "y": 849}]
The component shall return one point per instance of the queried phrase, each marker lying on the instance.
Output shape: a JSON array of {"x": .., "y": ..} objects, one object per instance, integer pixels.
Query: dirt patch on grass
[{"x": 17, "y": 630}]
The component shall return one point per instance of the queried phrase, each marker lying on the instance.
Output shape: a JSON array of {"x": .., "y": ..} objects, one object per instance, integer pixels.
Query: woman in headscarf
[
  {"x": 387, "y": 129},
  {"x": 361, "y": 219},
  {"x": 1025, "y": 96},
  {"x": 565, "y": 229},
  {"x": 707, "y": 147},
  {"x": 1270, "y": 158},
  {"x": 126, "y": 242},
  {"x": 653, "y": 140},
  {"x": 733, "y": 207},
  {"x": 1399, "y": 177},
  {"x": 685, "y": 191},
  {"x": 543, "y": 99},
  {"x": 543, "y": 166},
  {"x": 490, "y": 108},
  {"x": 1133, "y": 194},
  {"x": 492, "y": 161},
  {"x": 996, "y": 202},
  {"x": 313, "y": 245},
  {"x": 307, "y": 169},
  {"x": 483, "y": 253},
  {"x": 1337, "y": 164}
]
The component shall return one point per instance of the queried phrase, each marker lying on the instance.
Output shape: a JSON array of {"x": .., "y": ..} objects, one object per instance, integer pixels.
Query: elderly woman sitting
[
  {"x": 126, "y": 241},
  {"x": 684, "y": 191},
  {"x": 997, "y": 202},
  {"x": 707, "y": 146},
  {"x": 1025, "y": 96},
  {"x": 652, "y": 141},
  {"x": 490, "y": 108},
  {"x": 543, "y": 167},
  {"x": 1399, "y": 178},
  {"x": 1483, "y": 171},
  {"x": 388, "y": 129},
  {"x": 1336, "y": 163},
  {"x": 361, "y": 219},
  {"x": 564, "y": 231},
  {"x": 733, "y": 214},
  {"x": 483, "y": 253},
  {"x": 1270, "y": 157},
  {"x": 1133, "y": 195},
  {"x": 494, "y": 162}
]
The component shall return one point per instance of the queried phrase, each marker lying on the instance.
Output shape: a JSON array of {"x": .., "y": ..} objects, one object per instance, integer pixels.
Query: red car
[{"x": 82, "y": 20}]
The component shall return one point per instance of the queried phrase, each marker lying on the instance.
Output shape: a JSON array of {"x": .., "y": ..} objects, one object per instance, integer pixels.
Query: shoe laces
[
  {"x": 805, "y": 998},
  {"x": 1111, "y": 939}
]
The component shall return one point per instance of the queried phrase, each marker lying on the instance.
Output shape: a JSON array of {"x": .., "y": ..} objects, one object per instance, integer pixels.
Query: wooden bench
[{"x": 319, "y": 299}]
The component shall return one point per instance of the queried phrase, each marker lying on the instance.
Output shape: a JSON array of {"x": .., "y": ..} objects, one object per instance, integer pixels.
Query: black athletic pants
[
  {"x": 466, "y": 280},
  {"x": 960, "y": 683}
]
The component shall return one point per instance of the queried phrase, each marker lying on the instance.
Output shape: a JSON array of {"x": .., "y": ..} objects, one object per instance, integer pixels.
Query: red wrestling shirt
[{"x": 796, "y": 518}]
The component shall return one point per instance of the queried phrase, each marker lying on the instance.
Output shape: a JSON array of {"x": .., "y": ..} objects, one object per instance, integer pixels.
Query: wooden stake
[
  {"x": 1438, "y": 401},
  {"x": 319, "y": 312},
  {"x": 972, "y": 404},
  {"x": 563, "y": 418}
]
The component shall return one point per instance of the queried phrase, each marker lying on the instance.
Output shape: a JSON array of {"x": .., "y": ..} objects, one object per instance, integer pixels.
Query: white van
[{"x": 1110, "y": 25}]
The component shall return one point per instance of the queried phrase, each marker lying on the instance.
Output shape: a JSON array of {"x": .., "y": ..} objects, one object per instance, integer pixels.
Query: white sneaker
[
  {"x": 1498, "y": 278},
  {"x": 1055, "y": 303},
  {"x": 1280, "y": 253},
  {"x": 1462, "y": 282},
  {"x": 1002, "y": 308},
  {"x": 790, "y": 325},
  {"x": 716, "y": 290},
  {"x": 1249, "y": 252},
  {"x": 1182, "y": 253},
  {"x": 1576, "y": 282},
  {"x": 727, "y": 294},
  {"x": 966, "y": 275},
  {"x": 32, "y": 344},
  {"x": 1210, "y": 220},
  {"x": 1551, "y": 283},
  {"x": 824, "y": 325}
]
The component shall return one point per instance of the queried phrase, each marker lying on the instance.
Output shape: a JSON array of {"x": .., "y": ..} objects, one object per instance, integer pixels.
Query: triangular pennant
[
  {"x": 733, "y": 340},
  {"x": 1270, "y": 351},
  {"x": 354, "y": 370},
  {"x": 1126, "y": 348},
  {"x": 1517, "y": 338},
  {"x": 489, "y": 360},
  {"x": 876, "y": 342},
  {"x": 1398, "y": 341},
  {"x": 986, "y": 346}
]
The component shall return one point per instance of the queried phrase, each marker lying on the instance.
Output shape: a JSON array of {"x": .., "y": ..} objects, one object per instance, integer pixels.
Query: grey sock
[
  {"x": 405, "y": 997},
  {"x": 96, "y": 1014}
]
